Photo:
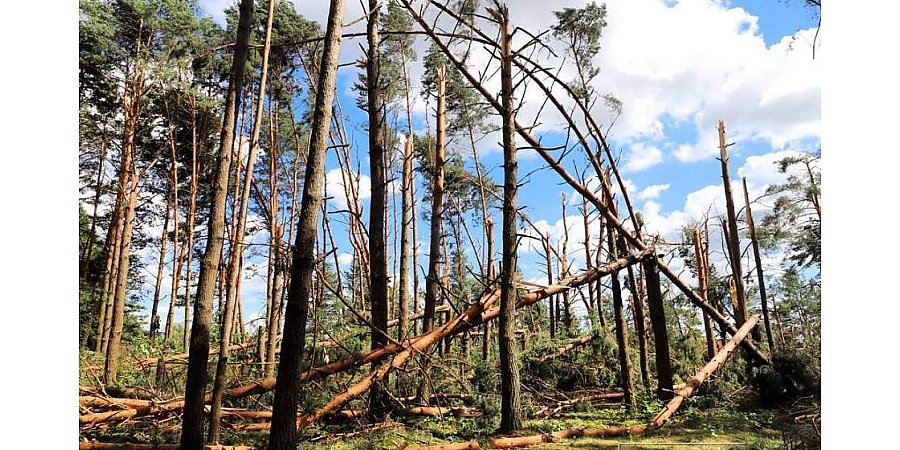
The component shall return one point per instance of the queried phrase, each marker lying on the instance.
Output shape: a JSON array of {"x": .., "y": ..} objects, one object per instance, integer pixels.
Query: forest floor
[{"x": 696, "y": 428}]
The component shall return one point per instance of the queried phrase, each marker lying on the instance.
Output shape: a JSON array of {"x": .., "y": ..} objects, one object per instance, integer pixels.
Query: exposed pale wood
[{"x": 470, "y": 445}]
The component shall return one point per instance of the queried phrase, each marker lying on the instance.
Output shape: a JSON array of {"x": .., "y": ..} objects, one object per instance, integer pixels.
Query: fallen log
[
  {"x": 128, "y": 446},
  {"x": 96, "y": 401},
  {"x": 374, "y": 356},
  {"x": 546, "y": 411},
  {"x": 151, "y": 361},
  {"x": 575, "y": 343},
  {"x": 437, "y": 411},
  {"x": 470, "y": 445},
  {"x": 472, "y": 316},
  {"x": 703, "y": 374},
  {"x": 657, "y": 422},
  {"x": 525, "y": 441}
]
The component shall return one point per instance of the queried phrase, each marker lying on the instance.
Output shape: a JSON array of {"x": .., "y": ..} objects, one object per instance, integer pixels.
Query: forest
[{"x": 415, "y": 224}]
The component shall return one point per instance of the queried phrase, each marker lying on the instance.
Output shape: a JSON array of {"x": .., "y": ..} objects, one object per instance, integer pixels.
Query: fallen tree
[
  {"x": 127, "y": 446},
  {"x": 374, "y": 356},
  {"x": 470, "y": 445},
  {"x": 575, "y": 343},
  {"x": 658, "y": 421},
  {"x": 152, "y": 361}
]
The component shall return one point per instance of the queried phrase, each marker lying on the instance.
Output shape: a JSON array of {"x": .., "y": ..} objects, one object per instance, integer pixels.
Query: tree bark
[
  {"x": 701, "y": 376},
  {"x": 195, "y": 386},
  {"x": 284, "y": 411},
  {"x": 621, "y": 332},
  {"x": 237, "y": 243},
  {"x": 664, "y": 389},
  {"x": 377, "y": 243},
  {"x": 763, "y": 299},
  {"x": 637, "y": 306},
  {"x": 510, "y": 388},
  {"x": 702, "y": 275},
  {"x": 432, "y": 282},
  {"x": 740, "y": 313}
]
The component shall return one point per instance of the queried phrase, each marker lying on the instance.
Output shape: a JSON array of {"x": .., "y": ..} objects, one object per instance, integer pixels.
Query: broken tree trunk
[
  {"x": 526, "y": 441},
  {"x": 702, "y": 375},
  {"x": 554, "y": 164},
  {"x": 470, "y": 445},
  {"x": 317, "y": 373},
  {"x": 575, "y": 343},
  {"x": 702, "y": 274},
  {"x": 740, "y": 313}
]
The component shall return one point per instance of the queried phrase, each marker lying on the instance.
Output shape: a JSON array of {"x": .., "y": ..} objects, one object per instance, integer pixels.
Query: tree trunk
[
  {"x": 588, "y": 264},
  {"x": 284, "y": 411},
  {"x": 740, "y": 313},
  {"x": 621, "y": 332},
  {"x": 470, "y": 321},
  {"x": 377, "y": 243},
  {"x": 237, "y": 243},
  {"x": 664, "y": 388},
  {"x": 701, "y": 376},
  {"x": 432, "y": 282},
  {"x": 109, "y": 276},
  {"x": 702, "y": 275},
  {"x": 510, "y": 388},
  {"x": 195, "y": 387},
  {"x": 489, "y": 231},
  {"x": 637, "y": 306},
  {"x": 551, "y": 304},
  {"x": 89, "y": 245},
  {"x": 763, "y": 299},
  {"x": 154, "y": 319}
]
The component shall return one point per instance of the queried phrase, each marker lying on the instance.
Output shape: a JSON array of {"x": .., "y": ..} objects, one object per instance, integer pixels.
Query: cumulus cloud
[
  {"x": 334, "y": 187},
  {"x": 652, "y": 191},
  {"x": 642, "y": 157}
]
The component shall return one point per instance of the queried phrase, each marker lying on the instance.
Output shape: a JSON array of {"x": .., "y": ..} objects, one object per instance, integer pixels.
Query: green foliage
[
  {"x": 463, "y": 103},
  {"x": 795, "y": 220},
  {"x": 580, "y": 29}
]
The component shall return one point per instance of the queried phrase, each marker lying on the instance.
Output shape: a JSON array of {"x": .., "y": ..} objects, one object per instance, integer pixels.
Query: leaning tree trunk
[
  {"x": 377, "y": 243},
  {"x": 510, "y": 388},
  {"x": 154, "y": 317},
  {"x": 284, "y": 410},
  {"x": 195, "y": 387},
  {"x": 748, "y": 215}
]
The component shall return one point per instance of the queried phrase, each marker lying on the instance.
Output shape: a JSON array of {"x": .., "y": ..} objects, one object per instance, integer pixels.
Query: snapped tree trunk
[
  {"x": 702, "y": 275},
  {"x": 432, "y": 282},
  {"x": 740, "y": 313},
  {"x": 621, "y": 332}
]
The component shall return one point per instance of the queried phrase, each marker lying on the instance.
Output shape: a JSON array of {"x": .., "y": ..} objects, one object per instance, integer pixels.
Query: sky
[{"x": 677, "y": 66}]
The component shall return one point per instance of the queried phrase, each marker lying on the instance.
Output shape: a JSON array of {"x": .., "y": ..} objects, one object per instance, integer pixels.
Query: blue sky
[{"x": 678, "y": 67}]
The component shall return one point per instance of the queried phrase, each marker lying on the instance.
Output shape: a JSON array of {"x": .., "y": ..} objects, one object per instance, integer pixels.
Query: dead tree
[
  {"x": 432, "y": 281},
  {"x": 640, "y": 327},
  {"x": 621, "y": 331},
  {"x": 740, "y": 313},
  {"x": 284, "y": 410},
  {"x": 192, "y": 422},
  {"x": 702, "y": 276}
]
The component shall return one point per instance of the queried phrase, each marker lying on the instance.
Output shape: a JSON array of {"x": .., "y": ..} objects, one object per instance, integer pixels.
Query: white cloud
[
  {"x": 345, "y": 259},
  {"x": 652, "y": 191},
  {"x": 334, "y": 187},
  {"x": 642, "y": 157}
]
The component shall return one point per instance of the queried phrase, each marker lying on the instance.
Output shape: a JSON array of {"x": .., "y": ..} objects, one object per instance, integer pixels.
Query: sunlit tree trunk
[{"x": 195, "y": 387}]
